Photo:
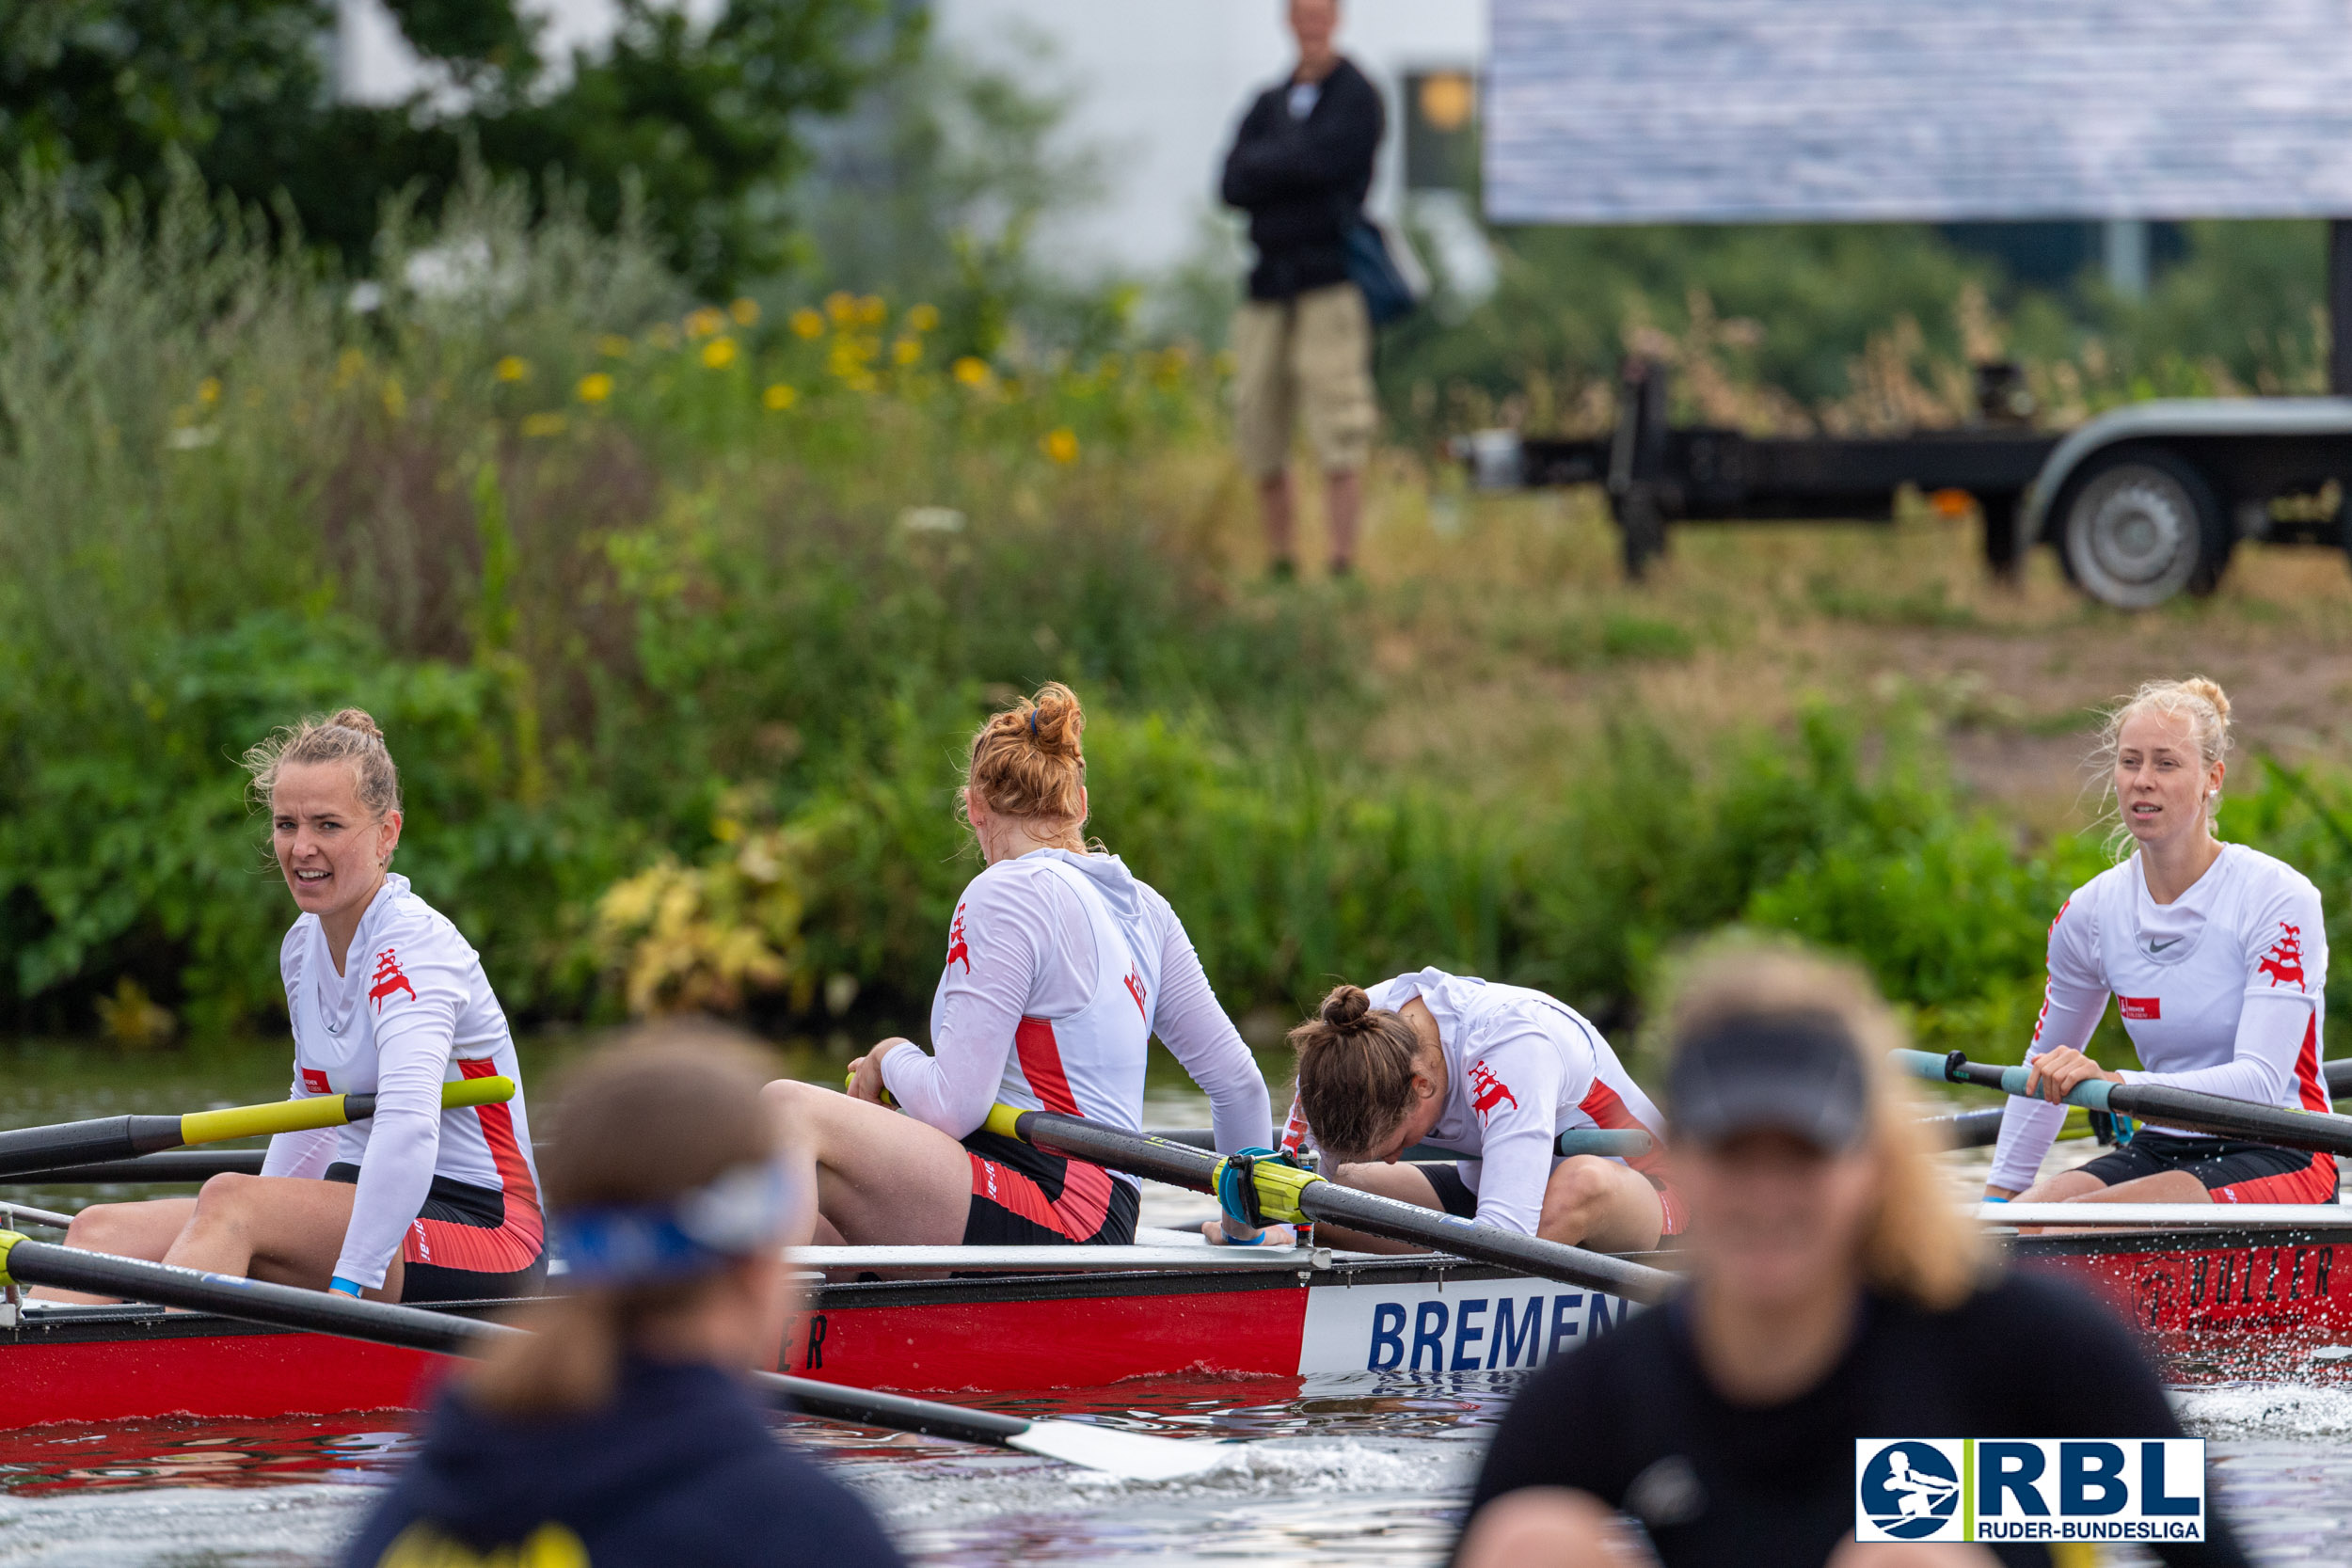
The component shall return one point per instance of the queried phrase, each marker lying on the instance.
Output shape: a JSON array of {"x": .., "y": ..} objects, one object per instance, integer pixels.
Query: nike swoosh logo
[{"x": 2156, "y": 946}]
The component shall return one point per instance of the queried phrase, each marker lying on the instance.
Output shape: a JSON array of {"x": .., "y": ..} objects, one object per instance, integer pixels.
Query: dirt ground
[{"x": 1505, "y": 635}]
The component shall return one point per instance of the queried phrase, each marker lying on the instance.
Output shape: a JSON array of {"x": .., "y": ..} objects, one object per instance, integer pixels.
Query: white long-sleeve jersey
[
  {"x": 1521, "y": 1068},
  {"x": 411, "y": 1011},
  {"x": 2222, "y": 990},
  {"x": 1021, "y": 948}
]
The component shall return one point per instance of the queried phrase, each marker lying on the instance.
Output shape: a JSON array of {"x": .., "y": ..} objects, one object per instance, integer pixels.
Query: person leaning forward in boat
[
  {"x": 1495, "y": 1073},
  {"x": 1060, "y": 967},
  {"x": 417, "y": 1203},
  {"x": 2217, "y": 956},
  {"x": 1835, "y": 1294},
  {"x": 618, "y": 1432}
]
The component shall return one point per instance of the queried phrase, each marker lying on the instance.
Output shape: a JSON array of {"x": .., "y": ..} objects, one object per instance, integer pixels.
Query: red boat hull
[{"x": 2239, "y": 1302}]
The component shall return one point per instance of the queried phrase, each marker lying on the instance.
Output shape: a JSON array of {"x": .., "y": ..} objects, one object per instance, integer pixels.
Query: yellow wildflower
[
  {"x": 871, "y": 311},
  {"x": 923, "y": 318},
  {"x": 703, "y": 322},
  {"x": 614, "y": 346},
  {"x": 745, "y": 311},
  {"x": 395, "y": 401},
  {"x": 906, "y": 351},
  {"x": 595, "y": 386},
  {"x": 543, "y": 424},
  {"x": 512, "y": 369},
  {"x": 208, "y": 390},
  {"x": 971, "y": 372},
  {"x": 841, "y": 307},
  {"x": 1060, "y": 444},
  {"x": 808, "y": 323},
  {"x": 719, "y": 353},
  {"x": 780, "y": 397}
]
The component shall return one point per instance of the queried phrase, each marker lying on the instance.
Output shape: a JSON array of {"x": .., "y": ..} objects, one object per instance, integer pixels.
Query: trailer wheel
[{"x": 2140, "y": 524}]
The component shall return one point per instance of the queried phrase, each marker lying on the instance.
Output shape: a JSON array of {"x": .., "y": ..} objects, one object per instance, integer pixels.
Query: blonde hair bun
[
  {"x": 356, "y": 719},
  {"x": 350, "y": 736},
  {"x": 2199, "y": 686}
]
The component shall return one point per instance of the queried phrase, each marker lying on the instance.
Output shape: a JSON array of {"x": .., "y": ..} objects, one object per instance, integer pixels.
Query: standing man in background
[{"x": 1300, "y": 167}]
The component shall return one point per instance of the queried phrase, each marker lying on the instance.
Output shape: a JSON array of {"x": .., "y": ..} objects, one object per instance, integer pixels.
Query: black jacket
[
  {"x": 1632, "y": 1419},
  {"x": 1303, "y": 181},
  {"x": 680, "y": 1471}
]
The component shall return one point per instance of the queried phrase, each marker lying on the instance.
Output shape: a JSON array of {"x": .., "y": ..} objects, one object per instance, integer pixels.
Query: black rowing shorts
[
  {"x": 2231, "y": 1172},
  {"x": 470, "y": 1225},
  {"x": 1024, "y": 1197},
  {"x": 1453, "y": 1194}
]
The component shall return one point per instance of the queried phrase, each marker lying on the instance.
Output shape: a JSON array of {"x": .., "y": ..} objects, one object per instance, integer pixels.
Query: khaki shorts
[{"x": 1311, "y": 356}]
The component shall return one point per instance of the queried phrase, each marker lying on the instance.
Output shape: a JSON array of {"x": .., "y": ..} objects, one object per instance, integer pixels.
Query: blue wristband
[
  {"x": 1996, "y": 1200},
  {"x": 343, "y": 1286}
]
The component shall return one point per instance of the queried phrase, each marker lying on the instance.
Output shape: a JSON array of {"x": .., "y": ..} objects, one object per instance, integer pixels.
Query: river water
[{"x": 1357, "y": 1469}]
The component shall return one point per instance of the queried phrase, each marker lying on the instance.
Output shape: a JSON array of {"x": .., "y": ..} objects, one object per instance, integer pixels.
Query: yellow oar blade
[{"x": 327, "y": 1110}]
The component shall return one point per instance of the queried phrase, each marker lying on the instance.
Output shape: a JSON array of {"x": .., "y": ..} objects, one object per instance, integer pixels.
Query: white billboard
[{"x": 1638, "y": 111}]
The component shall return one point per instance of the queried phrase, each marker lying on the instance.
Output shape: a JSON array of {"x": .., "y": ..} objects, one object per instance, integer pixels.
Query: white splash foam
[
  {"x": 257, "y": 1525},
  {"x": 2265, "y": 1410}
]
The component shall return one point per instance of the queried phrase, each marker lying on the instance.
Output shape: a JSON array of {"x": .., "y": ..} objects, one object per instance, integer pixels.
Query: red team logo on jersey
[
  {"x": 2284, "y": 963},
  {"x": 389, "y": 979},
  {"x": 315, "y": 1081},
  {"x": 2142, "y": 1008},
  {"x": 1487, "y": 1091},
  {"x": 1135, "y": 989},
  {"x": 959, "y": 951}
]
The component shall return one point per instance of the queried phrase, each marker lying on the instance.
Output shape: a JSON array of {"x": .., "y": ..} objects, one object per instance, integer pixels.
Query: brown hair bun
[{"x": 1346, "y": 1008}]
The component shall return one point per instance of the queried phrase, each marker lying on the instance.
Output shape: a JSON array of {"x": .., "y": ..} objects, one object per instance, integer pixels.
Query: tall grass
[{"x": 679, "y": 616}]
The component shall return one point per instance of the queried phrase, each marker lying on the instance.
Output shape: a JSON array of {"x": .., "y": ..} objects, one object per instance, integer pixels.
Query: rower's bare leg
[
  {"x": 1597, "y": 1203},
  {"x": 881, "y": 1177},
  {"x": 2073, "y": 1186},
  {"x": 142, "y": 1230},
  {"x": 286, "y": 1229},
  {"x": 1402, "y": 1181}
]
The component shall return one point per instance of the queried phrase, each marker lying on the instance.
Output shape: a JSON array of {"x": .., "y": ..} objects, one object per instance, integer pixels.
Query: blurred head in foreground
[
  {"x": 665, "y": 1198},
  {"x": 1795, "y": 1147}
]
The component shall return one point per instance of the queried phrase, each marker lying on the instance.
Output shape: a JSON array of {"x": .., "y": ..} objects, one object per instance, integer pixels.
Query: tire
[{"x": 2138, "y": 525}]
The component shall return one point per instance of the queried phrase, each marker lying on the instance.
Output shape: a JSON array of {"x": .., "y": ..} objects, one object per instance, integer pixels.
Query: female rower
[
  {"x": 619, "y": 1433},
  {"x": 2217, "y": 956},
  {"x": 1495, "y": 1073},
  {"x": 416, "y": 1203},
  {"x": 1835, "y": 1294},
  {"x": 1060, "y": 967}
]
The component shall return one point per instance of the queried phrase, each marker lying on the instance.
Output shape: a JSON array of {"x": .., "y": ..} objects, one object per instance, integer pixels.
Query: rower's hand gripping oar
[
  {"x": 1288, "y": 1194},
  {"x": 1136, "y": 1456},
  {"x": 30, "y": 1151},
  {"x": 2319, "y": 1130}
]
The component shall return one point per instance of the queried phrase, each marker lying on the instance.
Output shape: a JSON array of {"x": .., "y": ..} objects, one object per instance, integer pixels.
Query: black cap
[{"x": 1795, "y": 1072}]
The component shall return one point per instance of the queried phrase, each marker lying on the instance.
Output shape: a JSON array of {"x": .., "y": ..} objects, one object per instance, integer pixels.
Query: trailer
[
  {"x": 1941, "y": 111},
  {"x": 2141, "y": 502}
]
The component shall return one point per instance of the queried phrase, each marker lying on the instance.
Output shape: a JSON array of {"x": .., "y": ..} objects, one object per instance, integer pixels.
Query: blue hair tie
[{"x": 1032, "y": 721}]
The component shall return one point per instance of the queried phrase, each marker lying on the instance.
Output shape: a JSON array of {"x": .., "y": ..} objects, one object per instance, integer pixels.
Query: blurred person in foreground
[
  {"x": 620, "y": 1431},
  {"x": 1300, "y": 167},
  {"x": 1836, "y": 1292}
]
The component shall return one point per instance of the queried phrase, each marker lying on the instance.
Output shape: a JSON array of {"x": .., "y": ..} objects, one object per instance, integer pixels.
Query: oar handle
[
  {"x": 2161, "y": 1103},
  {"x": 2091, "y": 1094}
]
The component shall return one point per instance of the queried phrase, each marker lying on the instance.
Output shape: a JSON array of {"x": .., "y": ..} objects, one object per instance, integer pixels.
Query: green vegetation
[{"x": 677, "y": 617}]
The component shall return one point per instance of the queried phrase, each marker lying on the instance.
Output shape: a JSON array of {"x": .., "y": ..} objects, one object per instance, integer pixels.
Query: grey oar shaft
[{"x": 1330, "y": 1202}]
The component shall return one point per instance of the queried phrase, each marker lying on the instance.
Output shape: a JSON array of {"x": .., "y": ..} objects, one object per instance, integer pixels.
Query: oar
[
  {"x": 1321, "y": 1200},
  {"x": 1134, "y": 1454},
  {"x": 26, "y": 1151},
  {"x": 1617, "y": 1143},
  {"x": 2157, "y": 1103}
]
